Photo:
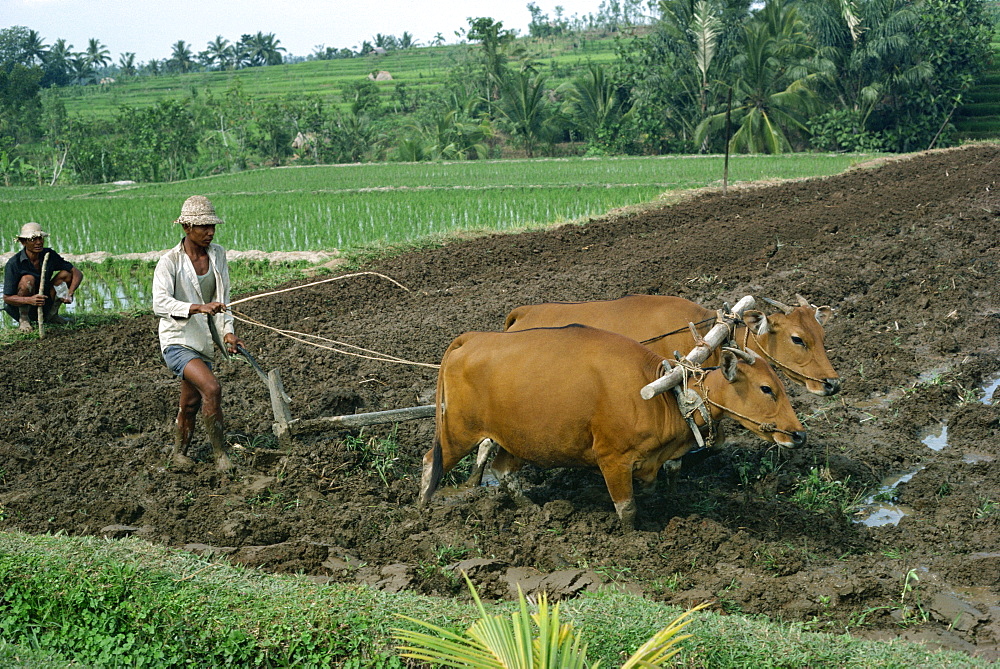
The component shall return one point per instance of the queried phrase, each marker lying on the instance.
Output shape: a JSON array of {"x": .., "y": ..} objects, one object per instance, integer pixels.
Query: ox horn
[
  {"x": 803, "y": 302},
  {"x": 778, "y": 305},
  {"x": 748, "y": 357}
]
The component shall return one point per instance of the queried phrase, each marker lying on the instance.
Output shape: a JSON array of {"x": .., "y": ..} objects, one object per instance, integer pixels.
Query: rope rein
[
  {"x": 316, "y": 283},
  {"x": 764, "y": 427},
  {"x": 774, "y": 361},
  {"x": 298, "y": 336},
  {"x": 302, "y": 336},
  {"x": 677, "y": 331},
  {"x": 697, "y": 374}
]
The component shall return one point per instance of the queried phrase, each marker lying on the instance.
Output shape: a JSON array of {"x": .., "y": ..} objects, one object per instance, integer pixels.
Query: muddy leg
[
  {"x": 486, "y": 448},
  {"x": 216, "y": 436},
  {"x": 504, "y": 466},
  {"x": 52, "y": 313},
  {"x": 619, "y": 482},
  {"x": 183, "y": 430}
]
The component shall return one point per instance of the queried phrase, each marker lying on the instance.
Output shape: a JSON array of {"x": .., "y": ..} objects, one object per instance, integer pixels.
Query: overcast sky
[{"x": 149, "y": 28}]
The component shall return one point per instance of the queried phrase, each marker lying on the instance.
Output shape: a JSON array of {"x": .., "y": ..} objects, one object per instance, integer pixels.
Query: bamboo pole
[
  {"x": 41, "y": 291},
  {"x": 715, "y": 337}
]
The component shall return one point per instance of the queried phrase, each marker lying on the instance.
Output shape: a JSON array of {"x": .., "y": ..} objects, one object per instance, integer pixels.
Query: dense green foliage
[
  {"x": 777, "y": 76},
  {"x": 128, "y": 603}
]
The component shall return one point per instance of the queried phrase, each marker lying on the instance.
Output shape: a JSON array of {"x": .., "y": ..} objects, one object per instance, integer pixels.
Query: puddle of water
[
  {"x": 989, "y": 389},
  {"x": 936, "y": 438},
  {"x": 881, "y": 513},
  {"x": 931, "y": 374},
  {"x": 99, "y": 297},
  {"x": 973, "y": 458}
]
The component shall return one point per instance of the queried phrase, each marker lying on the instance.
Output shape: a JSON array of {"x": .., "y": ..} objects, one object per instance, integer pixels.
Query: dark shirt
[{"x": 19, "y": 265}]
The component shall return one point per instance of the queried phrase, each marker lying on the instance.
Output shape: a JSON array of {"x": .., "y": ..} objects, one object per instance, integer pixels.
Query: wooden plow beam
[
  {"x": 712, "y": 340},
  {"x": 285, "y": 426}
]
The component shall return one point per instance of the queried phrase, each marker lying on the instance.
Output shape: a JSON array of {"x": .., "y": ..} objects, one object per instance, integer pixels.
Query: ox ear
[
  {"x": 757, "y": 320},
  {"x": 729, "y": 361},
  {"x": 823, "y": 315}
]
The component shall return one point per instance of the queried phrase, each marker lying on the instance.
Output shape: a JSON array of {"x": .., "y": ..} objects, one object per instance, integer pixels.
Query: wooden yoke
[{"x": 712, "y": 340}]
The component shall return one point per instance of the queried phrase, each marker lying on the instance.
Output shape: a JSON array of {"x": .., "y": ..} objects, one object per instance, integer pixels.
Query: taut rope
[
  {"x": 677, "y": 331},
  {"x": 300, "y": 336},
  {"x": 316, "y": 283}
]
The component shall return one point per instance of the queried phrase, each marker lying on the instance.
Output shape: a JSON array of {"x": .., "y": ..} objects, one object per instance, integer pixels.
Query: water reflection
[
  {"x": 878, "y": 509},
  {"x": 989, "y": 389},
  {"x": 936, "y": 438}
]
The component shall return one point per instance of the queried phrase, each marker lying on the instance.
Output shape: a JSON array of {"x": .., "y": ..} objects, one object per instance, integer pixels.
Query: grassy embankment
[
  {"x": 92, "y": 602},
  {"x": 356, "y": 209}
]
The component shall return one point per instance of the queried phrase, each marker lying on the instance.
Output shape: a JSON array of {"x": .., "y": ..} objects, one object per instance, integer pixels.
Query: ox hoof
[
  {"x": 223, "y": 463},
  {"x": 182, "y": 463}
]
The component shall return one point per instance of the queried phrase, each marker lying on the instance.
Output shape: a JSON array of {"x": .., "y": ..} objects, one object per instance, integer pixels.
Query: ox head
[
  {"x": 793, "y": 340},
  {"x": 747, "y": 389}
]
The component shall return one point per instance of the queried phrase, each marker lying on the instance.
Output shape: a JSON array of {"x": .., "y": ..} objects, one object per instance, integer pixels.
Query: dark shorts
[{"x": 177, "y": 358}]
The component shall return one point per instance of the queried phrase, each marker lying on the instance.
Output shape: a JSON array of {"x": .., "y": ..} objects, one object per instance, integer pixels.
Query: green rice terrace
[{"x": 343, "y": 209}]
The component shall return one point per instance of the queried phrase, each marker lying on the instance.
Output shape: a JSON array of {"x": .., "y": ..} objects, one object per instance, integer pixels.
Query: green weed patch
[{"x": 129, "y": 603}]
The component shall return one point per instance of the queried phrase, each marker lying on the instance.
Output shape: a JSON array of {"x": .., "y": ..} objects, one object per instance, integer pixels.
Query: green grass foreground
[{"x": 79, "y": 601}]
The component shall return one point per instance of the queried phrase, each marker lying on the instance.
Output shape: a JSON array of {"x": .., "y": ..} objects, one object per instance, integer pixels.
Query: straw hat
[
  {"x": 198, "y": 210},
  {"x": 31, "y": 230}
]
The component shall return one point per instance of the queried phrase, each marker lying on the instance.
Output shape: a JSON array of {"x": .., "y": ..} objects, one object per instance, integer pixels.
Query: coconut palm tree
[
  {"x": 524, "y": 105},
  {"x": 387, "y": 42},
  {"x": 126, "y": 63},
  {"x": 35, "y": 48},
  {"x": 57, "y": 61},
  {"x": 774, "y": 90},
  {"x": 406, "y": 41},
  {"x": 181, "y": 58},
  {"x": 80, "y": 68},
  {"x": 262, "y": 49},
  {"x": 96, "y": 53},
  {"x": 871, "y": 48},
  {"x": 219, "y": 53},
  {"x": 271, "y": 49},
  {"x": 592, "y": 102}
]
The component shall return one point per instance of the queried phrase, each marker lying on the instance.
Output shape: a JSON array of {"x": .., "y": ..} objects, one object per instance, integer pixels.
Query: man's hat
[
  {"x": 198, "y": 210},
  {"x": 31, "y": 230}
]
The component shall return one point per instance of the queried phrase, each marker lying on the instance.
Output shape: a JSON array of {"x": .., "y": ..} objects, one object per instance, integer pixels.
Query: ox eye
[
  {"x": 798, "y": 341},
  {"x": 767, "y": 390}
]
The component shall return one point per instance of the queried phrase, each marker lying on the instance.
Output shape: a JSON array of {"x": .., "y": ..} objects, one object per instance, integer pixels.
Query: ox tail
[
  {"x": 433, "y": 465},
  {"x": 432, "y": 472}
]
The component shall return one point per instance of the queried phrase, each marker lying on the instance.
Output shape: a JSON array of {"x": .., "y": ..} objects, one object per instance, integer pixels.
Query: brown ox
[
  {"x": 569, "y": 397},
  {"x": 791, "y": 339}
]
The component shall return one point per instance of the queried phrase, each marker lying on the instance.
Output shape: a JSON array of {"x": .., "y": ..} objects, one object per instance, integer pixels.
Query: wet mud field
[{"x": 908, "y": 254}]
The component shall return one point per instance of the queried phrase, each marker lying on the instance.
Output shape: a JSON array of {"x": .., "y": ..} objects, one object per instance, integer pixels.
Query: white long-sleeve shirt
[{"x": 176, "y": 288}]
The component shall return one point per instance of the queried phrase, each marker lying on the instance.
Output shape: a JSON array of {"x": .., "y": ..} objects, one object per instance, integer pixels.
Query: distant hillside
[{"x": 418, "y": 68}]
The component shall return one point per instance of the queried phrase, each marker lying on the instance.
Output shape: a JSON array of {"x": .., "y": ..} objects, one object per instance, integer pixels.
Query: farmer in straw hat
[
  {"x": 190, "y": 293},
  {"x": 21, "y": 295}
]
